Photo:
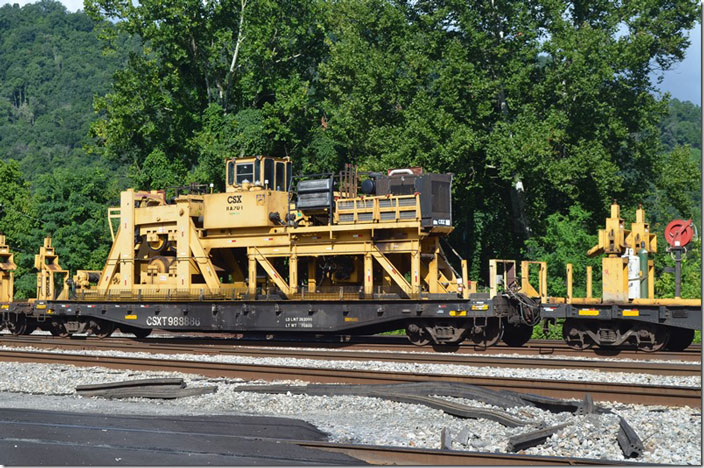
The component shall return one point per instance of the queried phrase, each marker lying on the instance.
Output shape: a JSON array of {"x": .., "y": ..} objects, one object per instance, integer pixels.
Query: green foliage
[
  {"x": 18, "y": 223},
  {"x": 682, "y": 126},
  {"x": 225, "y": 136},
  {"x": 554, "y": 331},
  {"x": 677, "y": 184},
  {"x": 73, "y": 211},
  {"x": 208, "y": 68},
  {"x": 51, "y": 66},
  {"x": 556, "y": 98},
  {"x": 566, "y": 241},
  {"x": 691, "y": 274}
]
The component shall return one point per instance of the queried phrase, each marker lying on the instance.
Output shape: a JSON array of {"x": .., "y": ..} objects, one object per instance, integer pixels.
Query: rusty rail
[
  {"x": 379, "y": 455},
  {"x": 477, "y": 360},
  {"x": 625, "y": 393}
]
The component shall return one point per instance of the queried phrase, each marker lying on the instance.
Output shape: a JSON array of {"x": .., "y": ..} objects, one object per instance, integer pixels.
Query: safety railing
[
  {"x": 266, "y": 292},
  {"x": 381, "y": 209},
  {"x": 158, "y": 295}
]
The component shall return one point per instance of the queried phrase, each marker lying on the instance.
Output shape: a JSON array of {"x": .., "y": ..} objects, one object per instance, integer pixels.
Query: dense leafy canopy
[{"x": 545, "y": 110}]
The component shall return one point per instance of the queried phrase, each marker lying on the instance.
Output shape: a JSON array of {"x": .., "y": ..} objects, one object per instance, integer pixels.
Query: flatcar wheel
[
  {"x": 60, "y": 333},
  {"x": 574, "y": 332},
  {"x": 18, "y": 326},
  {"x": 417, "y": 335},
  {"x": 517, "y": 336},
  {"x": 488, "y": 335},
  {"x": 493, "y": 332},
  {"x": 58, "y": 329},
  {"x": 31, "y": 326},
  {"x": 680, "y": 339},
  {"x": 141, "y": 332},
  {"x": 651, "y": 338},
  {"x": 101, "y": 328}
]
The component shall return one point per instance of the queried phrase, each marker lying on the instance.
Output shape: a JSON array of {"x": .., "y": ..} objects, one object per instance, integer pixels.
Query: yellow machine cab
[{"x": 267, "y": 172}]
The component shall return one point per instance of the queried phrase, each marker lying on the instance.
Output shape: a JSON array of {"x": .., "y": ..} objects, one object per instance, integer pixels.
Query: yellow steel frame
[
  {"x": 7, "y": 268},
  {"x": 47, "y": 264},
  {"x": 357, "y": 239}
]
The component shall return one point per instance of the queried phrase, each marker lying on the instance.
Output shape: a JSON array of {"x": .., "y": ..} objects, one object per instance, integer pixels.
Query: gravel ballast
[
  {"x": 670, "y": 435},
  {"x": 577, "y": 375}
]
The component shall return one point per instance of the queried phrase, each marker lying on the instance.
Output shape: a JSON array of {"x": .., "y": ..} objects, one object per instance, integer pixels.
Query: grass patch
[{"x": 554, "y": 332}]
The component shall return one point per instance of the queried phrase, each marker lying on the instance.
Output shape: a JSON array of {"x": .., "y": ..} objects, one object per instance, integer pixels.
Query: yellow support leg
[
  {"x": 415, "y": 272},
  {"x": 202, "y": 259},
  {"x": 312, "y": 269},
  {"x": 252, "y": 277},
  {"x": 589, "y": 282},
  {"x": 368, "y": 275},
  {"x": 465, "y": 280},
  {"x": 651, "y": 279},
  {"x": 432, "y": 278},
  {"x": 293, "y": 275}
]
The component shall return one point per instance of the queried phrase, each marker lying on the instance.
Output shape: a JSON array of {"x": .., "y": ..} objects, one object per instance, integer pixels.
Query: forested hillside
[
  {"x": 51, "y": 67},
  {"x": 544, "y": 113}
]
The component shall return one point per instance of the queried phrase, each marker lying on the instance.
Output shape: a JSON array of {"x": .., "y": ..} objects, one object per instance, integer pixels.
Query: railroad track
[
  {"x": 377, "y": 455},
  {"x": 469, "y": 359},
  {"x": 603, "y": 391},
  {"x": 400, "y": 343}
]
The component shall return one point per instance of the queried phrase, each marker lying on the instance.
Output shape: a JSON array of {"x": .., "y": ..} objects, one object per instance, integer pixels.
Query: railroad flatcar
[{"x": 347, "y": 253}]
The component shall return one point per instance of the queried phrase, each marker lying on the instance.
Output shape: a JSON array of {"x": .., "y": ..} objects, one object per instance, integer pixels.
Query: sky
[{"x": 683, "y": 81}]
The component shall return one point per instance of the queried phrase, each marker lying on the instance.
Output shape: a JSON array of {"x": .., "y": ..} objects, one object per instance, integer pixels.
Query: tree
[
  {"x": 534, "y": 106},
  {"x": 567, "y": 240},
  {"x": 18, "y": 223},
  {"x": 682, "y": 125},
  {"x": 202, "y": 63},
  {"x": 74, "y": 212},
  {"x": 51, "y": 66}
]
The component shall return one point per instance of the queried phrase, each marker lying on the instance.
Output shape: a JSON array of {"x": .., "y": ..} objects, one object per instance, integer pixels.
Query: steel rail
[
  {"x": 397, "y": 343},
  {"x": 603, "y": 391},
  {"x": 381, "y": 455},
  {"x": 655, "y": 368},
  {"x": 400, "y": 343}
]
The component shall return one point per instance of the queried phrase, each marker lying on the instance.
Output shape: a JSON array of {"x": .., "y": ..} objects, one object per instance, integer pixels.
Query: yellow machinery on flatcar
[
  {"x": 354, "y": 252},
  {"x": 254, "y": 239}
]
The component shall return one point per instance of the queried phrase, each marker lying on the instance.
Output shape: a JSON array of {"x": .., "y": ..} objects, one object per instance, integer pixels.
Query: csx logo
[{"x": 234, "y": 199}]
